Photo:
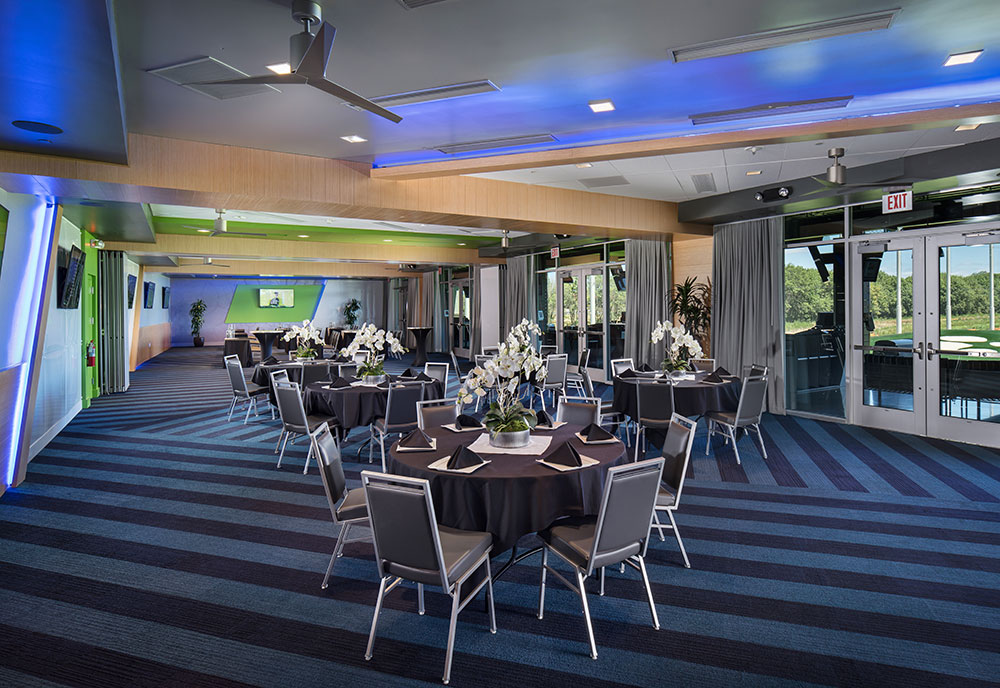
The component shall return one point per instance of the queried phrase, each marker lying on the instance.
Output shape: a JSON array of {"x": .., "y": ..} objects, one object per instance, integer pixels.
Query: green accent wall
[
  {"x": 245, "y": 306},
  {"x": 91, "y": 387}
]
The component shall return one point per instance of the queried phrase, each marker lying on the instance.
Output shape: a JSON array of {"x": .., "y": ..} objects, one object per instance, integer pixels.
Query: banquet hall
[{"x": 533, "y": 343}]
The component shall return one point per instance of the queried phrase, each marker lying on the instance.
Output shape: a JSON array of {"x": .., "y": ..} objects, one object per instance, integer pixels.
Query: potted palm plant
[
  {"x": 197, "y": 313},
  {"x": 351, "y": 309},
  {"x": 691, "y": 304}
]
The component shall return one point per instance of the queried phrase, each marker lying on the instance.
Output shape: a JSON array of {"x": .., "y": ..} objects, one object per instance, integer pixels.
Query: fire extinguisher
[{"x": 91, "y": 354}]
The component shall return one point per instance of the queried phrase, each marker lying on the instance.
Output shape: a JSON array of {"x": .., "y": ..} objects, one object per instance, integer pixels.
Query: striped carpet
[{"x": 154, "y": 544}]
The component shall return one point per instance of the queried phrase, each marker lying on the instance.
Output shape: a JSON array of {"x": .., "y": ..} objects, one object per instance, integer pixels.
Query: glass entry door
[
  {"x": 582, "y": 314},
  {"x": 460, "y": 322},
  {"x": 925, "y": 348}
]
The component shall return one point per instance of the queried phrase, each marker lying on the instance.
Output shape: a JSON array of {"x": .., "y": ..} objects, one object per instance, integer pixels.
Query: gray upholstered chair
[
  {"x": 437, "y": 412},
  {"x": 654, "y": 409},
  {"x": 314, "y": 372},
  {"x": 574, "y": 381},
  {"x": 410, "y": 545},
  {"x": 438, "y": 371},
  {"x": 579, "y": 410},
  {"x": 279, "y": 375},
  {"x": 491, "y": 350},
  {"x": 400, "y": 415},
  {"x": 243, "y": 391},
  {"x": 347, "y": 507},
  {"x": 755, "y": 370},
  {"x": 608, "y": 414},
  {"x": 702, "y": 365},
  {"x": 360, "y": 356},
  {"x": 294, "y": 421},
  {"x": 345, "y": 369},
  {"x": 555, "y": 379},
  {"x": 619, "y": 534},
  {"x": 620, "y": 365},
  {"x": 547, "y": 350},
  {"x": 676, "y": 459},
  {"x": 747, "y": 415}
]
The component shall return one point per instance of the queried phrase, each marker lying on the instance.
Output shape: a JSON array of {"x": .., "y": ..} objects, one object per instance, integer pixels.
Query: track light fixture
[{"x": 776, "y": 194}]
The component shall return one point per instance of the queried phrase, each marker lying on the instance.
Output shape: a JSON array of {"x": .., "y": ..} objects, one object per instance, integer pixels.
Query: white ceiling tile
[
  {"x": 647, "y": 165},
  {"x": 696, "y": 161},
  {"x": 738, "y": 178},
  {"x": 741, "y": 156}
]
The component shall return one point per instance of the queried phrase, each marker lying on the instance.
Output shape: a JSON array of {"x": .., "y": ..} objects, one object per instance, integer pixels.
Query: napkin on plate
[
  {"x": 340, "y": 383},
  {"x": 463, "y": 457},
  {"x": 423, "y": 377},
  {"x": 595, "y": 433},
  {"x": 270, "y": 360},
  {"x": 416, "y": 440},
  {"x": 644, "y": 368},
  {"x": 628, "y": 373},
  {"x": 714, "y": 376},
  {"x": 544, "y": 420},
  {"x": 723, "y": 372},
  {"x": 465, "y": 421},
  {"x": 565, "y": 455},
  {"x": 407, "y": 373}
]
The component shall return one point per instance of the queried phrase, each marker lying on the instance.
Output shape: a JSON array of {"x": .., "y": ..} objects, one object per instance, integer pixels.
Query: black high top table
[
  {"x": 266, "y": 339},
  {"x": 420, "y": 337}
]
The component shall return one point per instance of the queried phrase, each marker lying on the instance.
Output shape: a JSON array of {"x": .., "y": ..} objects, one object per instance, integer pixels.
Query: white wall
[
  {"x": 336, "y": 293},
  {"x": 131, "y": 268},
  {"x": 157, "y": 315},
  {"x": 59, "y": 395},
  {"x": 489, "y": 313}
]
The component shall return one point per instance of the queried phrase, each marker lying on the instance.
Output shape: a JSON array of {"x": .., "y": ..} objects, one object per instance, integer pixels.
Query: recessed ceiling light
[
  {"x": 387, "y": 240},
  {"x": 584, "y": 165},
  {"x": 753, "y": 173},
  {"x": 281, "y": 68},
  {"x": 354, "y": 138},
  {"x": 303, "y": 236},
  {"x": 205, "y": 231},
  {"x": 36, "y": 127},
  {"x": 601, "y": 105},
  {"x": 962, "y": 58},
  {"x": 461, "y": 243},
  {"x": 968, "y": 127}
]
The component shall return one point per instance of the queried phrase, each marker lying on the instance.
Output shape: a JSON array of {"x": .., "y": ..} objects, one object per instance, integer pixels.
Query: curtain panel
[
  {"x": 112, "y": 347},
  {"x": 647, "y": 268},
  {"x": 517, "y": 293},
  {"x": 428, "y": 287},
  {"x": 476, "y": 306},
  {"x": 747, "y": 301}
]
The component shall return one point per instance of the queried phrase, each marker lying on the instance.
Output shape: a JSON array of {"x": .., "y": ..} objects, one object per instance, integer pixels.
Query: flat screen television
[
  {"x": 148, "y": 294},
  {"x": 70, "y": 277},
  {"x": 165, "y": 297},
  {"x": 132, "y": 280},
  {"x": 277, "y": 298}
]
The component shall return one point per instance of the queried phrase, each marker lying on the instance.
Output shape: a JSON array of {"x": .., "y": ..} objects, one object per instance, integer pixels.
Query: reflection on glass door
[
  {"x": 547, "y": 301},
  {"x": 593, "y": 313},
  {"x": 460, "y": 323},
  {"x": 616, "y": 314},
  {"x": 569, "y": 283}
]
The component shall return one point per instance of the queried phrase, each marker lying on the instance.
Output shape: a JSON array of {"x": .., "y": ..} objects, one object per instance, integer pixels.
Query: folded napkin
[
  {"x": 270, "y": 360},
  {"x": 416, "y": 440},
  {"x": 644, "y": 368},
  {"x": 595, "y": 433},
  {"x": 544, "y": 420},
  {"x": 340, "y": 383},
  {"x": 723, "y": 372},
  {"x": 407, "y": 373},
  {"x": 628, "y": 373},
  {"x": 565, "y": 455},
  {"x": 714, "y": 376},
  {"x": 465, "y": 421},
  {"x": 463, "y": 457},
  {"x": 423, "y": 377}
]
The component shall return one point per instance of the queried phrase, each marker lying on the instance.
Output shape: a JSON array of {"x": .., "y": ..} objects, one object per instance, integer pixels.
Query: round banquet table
[
  {"x": 266, "y": 339},
  {"x": 513, "y": 495},
  {"x": 357, "y": 406},
  {"x": 239, "y": 346},
  {"x": 318, "y": 370},
  {"x": 692, "y": 398},
  {"x": 420, "y": 337}
]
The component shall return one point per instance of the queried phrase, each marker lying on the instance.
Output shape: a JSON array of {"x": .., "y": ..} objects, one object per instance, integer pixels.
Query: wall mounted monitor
[
  {"x": 277, "y": 298},
  {"x": 165, "y": 297},
  {"x": 148, "y": 294},
  {"x": 132, "y": 280},
  {"x": 69, "y": 276}
]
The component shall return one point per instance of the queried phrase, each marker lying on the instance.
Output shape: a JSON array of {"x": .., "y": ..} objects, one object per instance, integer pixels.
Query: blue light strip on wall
[{"x": 27, "y": 319}]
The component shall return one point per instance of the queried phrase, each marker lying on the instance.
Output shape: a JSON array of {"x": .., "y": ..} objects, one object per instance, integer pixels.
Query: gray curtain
[
  {"x": 747, "y": 301},
  {"x": 647, "y": 267},
  {"x": 113, "y": 314},
  {"x": 428, "y": 286},
  {"x": 476, "y": 306},
  {"x": 517, "y": 292},
  {"x": 412, "y": 307}
]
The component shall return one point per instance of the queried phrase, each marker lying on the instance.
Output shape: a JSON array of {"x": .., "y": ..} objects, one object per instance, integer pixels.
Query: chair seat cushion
[
  {"x": 255, "y": 389},
  {"x": 573, "y": 538},
  {"x": 316, "y": 421},
  {"x": 727, "y": 417},
  {"x": 665, "y": 497},
  {"x": 353, "y": 506},
  {"x": 574, "y": 377},
  {"x": 380, "y": 426},
  {"x": 461, "y": 549},
  {"x": 655, "y": 423}
]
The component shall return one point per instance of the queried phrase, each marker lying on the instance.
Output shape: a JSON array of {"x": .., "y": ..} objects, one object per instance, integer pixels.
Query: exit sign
[
  {"x": 897, "y": 202},
  {"x": 554, "y": 252}
]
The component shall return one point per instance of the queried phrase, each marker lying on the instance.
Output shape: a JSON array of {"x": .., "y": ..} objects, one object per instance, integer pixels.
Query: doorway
[
  {"x": 460, "y": 317},
  {"x": 580, "y": 324}
]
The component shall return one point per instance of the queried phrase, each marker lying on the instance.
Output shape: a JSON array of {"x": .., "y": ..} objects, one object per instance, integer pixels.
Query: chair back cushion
[
  {"x": 578, "y": 411},
  {"x": 676, "y": 455},
  {"x": 626, "y": 512},
  {"x": 236, "y": 378},
  {"x": 752, "y": 399},
  {"x": 289, "y": 399},
  {"x": 588, "y": 384},
  {"x": 314, "y": 372},
  {"x": 620, "y": 365},
  {"x": 703, "y": 365},
  {"x": 556, "y": 369},
  {"x": 438, "y": 371},
  {"x": 584, "y": 358},
  {"x": 331, "y": 470},
  {"x": 403, "y": 526},
  {"x": 655, "y": 401},
  {"x": 438, "y": 414},
  {"x": 401, "y": 407}
]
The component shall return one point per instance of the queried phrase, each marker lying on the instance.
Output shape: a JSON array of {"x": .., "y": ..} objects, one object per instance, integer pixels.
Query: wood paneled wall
[
  {"x": 152, "y": 340},
  {"x": 692, "y": 257}
]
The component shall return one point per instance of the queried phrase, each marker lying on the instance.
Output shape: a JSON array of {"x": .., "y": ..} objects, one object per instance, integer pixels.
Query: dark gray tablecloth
[
  {"x": 513, "y": 495},
  {"x": 692, "y": 398},
  {"x": 240, "y": 346},
  {"x": 355, "y": 407}
]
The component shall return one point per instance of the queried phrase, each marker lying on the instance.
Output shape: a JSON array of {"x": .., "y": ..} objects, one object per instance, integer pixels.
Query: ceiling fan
[
  {"x": 220, "y": 227},
  {"x": 836, "y": 178},
  {"x": 208, "y": 261},
  {"x": 308, "y": 60}
]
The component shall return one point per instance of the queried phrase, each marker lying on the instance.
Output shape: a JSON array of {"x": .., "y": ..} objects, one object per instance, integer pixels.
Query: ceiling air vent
[
  {"x": 843, "y": 26},
  {"x": 771, "y": 110},
  {"x": 188, "y": 74},
  {"x": 416, "y": 4},
  {"x": 704, "y": 183},
  {"x": 509, "y": 142},
  {"x": 426, "y": 95},
  {"x": 599, "y": 182}
]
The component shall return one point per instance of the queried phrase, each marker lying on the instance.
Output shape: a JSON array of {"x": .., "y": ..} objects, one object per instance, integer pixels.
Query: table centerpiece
[
  {"x": 683, "y": 346},
  {"x": 309, "y": 339},
  {"x": 373, "y": 340},
  {"x": 507, "y": 419}
]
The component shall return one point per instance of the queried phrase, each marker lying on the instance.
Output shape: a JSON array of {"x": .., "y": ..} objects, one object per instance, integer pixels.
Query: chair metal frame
[
  {"x": 636, "y": 561},
  {"x": 333, "y": 500},
  {"x": 575, "y": 380},
  {"x": 279, "y": 375},
  {"x": 608, "y": 414},
  {"x": 491, "y": 350},
  {"x": 730, "y": 430},
  {"x": 287, "y": 433},
  {"x": 433, "y": 403},
  {"x": 243, "y": 393},
  {"x": 590, "y": 401},
  {"x": 617, "y": 370},
  {"x": 691, "y": 427},
  {"x": 640, "y": 428},
  {"x": 699, "y": 365},
  {"x": 376, "y": 435},
  {"x": 443, "y": 379},
  {"x": 459, "y": 378},
  {"x": 454, "y": 590},
  {"x": 549, "y": 384}
]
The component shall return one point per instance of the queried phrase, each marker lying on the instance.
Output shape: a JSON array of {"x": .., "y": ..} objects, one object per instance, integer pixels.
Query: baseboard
[{"x": 50, "y": 434}]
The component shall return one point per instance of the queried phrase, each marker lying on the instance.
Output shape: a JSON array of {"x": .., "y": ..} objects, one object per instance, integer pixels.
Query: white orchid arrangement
[
  {"x": 516, "y": 361},
  {"x": 307, "y": 336},
  {"x": 374, "y": 340},
  {"x": 683, "y": 345}
]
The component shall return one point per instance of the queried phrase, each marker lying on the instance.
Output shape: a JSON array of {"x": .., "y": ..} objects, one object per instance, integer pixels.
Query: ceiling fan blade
[
  {"x": 353, "y": 98},
  {"x": 231, "y": 233},
  {"x": 192, "y": 227},
  {"x": 317, "y": 56},
  {"x": 263, "y": 79}
]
